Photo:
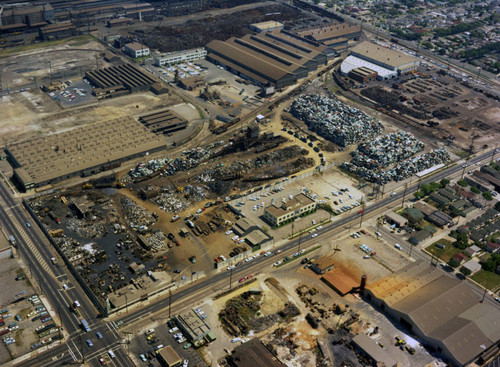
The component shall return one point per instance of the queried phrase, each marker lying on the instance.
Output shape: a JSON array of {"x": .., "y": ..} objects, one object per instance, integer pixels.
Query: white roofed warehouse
[{"x": 386, "y": 62}]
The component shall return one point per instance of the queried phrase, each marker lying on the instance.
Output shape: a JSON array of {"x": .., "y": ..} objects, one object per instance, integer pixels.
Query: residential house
[
  {"x": 472, "y": 250},
  {"x": 459, "y": 257}
]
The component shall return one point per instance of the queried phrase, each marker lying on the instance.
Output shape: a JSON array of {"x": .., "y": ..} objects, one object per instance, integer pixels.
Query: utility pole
[
  {"x": 230, "y": 278},
  {"x": 169, "y": 302},
  {"x": 298, "y": 247},
  {"x": 81, "y": 349},
  {"x": 362, "y": 211},
  {"x": 293, "y": 224},
  {"x": 411, "y": 248},
  {"x": 404, "y": 196}
]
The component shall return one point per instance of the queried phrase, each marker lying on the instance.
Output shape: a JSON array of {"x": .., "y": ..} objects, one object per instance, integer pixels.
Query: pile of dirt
[{"x": 242, "y": 314}]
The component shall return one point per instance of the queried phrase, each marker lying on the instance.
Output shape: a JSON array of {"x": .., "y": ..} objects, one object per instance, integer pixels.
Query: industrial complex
[
  {"x": 243, "y": 183},
  {"x": 441, "y": 310},
  {"x": 275, "y": 59},
  {"x": 82, "y": 151}
]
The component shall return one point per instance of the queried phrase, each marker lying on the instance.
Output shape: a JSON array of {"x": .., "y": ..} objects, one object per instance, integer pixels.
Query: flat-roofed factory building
[
  {"x": 120, "y": 79},
  {"x": 385, "y": 62},
  {"x": 194, "y": 327},
  {"x": 289, "y": 210},
  {"x": 80, "y": 152},
  {"x": 177, "y": 57},
  {"x": 164, "y": 122},
  {"x": 136, "y": 49},
  {"x": 168, "y": 357},
  {"x": 276, "y": 58}
]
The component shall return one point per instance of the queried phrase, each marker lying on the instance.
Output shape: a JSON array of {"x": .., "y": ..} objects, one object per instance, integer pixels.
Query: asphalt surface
[{"x": 13, "y": 219}]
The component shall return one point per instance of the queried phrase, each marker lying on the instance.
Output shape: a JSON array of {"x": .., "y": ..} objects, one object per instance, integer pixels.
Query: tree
[
  {"x": 444, "y": 182},
  {"x": 465, "y": 271},
  {"x": 487, "y": 195},
  {"x": 463, "y": 183},
  {"x": 453, "y": 263},
  {"x": 475, "y": 190}
]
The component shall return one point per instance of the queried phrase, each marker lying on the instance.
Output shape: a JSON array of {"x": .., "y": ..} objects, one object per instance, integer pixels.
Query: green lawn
[
  {"x": 487, "y": 279},
  {"x": 445, "y": 254}
]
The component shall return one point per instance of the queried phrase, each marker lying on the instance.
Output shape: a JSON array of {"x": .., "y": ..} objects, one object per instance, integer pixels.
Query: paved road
[
  {"x": 36, "y": 253},
  {"x": 13, "y": 216}
]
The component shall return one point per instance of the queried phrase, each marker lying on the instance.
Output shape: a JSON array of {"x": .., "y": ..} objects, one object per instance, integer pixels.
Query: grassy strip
[
  {"x": 298, "y": 257},
  {"x": 295, "y": 235},
  {"x": 77, "y": 41},
  {"x": 487, "y": 279}
]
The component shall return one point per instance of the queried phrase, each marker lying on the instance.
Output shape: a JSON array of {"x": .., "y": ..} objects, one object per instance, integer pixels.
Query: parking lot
[
  {"x": 140, "y": 345},
  {"x": 76, "y": 93},
  {"x": 25, "y": 322}
]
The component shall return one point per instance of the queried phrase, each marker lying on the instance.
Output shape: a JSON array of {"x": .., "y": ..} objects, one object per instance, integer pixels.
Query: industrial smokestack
[{"x": 363, "y": 283}]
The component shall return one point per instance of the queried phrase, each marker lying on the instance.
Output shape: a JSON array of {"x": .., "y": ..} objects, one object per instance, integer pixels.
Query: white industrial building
[
  {"x": 136, "y": 50},
  {"x": 386, "y": 62},
  {"x": 179, "y": 56}
]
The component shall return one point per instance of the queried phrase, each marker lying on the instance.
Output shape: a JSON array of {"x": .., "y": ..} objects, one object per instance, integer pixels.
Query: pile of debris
[
  {"x": 386, "y": 150},
  {"x": 334, "y": 120},
  {"x": 86, "y": 229},
  {"x": 157, "y": 240},
  {"x": 139, "y": 217},
  {"x": 171, "y": 202},
  {"x": 147, "y": 169},
  {"x": 401, "y": 170}
]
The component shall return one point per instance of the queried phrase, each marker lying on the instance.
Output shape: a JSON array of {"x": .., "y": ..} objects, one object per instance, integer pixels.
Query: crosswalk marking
[{"x": 35, "y": 252}]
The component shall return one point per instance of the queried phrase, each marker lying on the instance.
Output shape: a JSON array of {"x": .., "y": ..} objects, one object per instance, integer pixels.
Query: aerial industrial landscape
[{"x": 250, "y": 183}]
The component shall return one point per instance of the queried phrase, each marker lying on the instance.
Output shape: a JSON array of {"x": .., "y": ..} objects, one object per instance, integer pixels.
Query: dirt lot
[
  {"x": 31, "y": 66},
  {"x": 32, "y": 114}
]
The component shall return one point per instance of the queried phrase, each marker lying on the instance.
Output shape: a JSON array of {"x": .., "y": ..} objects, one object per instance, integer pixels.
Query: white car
[
  {"x": 314, "y": 235},
  {"x": 230, "y": 267},
  {"x": 277, "y": 263},
  {"x": 398, "y": 246}
]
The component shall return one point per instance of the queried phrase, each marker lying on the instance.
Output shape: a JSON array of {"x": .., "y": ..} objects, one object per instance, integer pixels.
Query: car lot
[
  {"x": 76, "y": 93},
  {"x": 161, "y": 335}
]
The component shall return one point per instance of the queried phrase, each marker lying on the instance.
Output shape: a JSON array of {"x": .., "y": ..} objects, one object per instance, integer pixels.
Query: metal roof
[
  {"x": 382, "y": 54},
  {"x": 88, "y": 146},
  {"x": 442, "y": 308}
]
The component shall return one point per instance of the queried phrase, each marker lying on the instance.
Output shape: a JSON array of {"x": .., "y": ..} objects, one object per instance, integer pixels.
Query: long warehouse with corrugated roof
[{"x": 276, "y": 58}]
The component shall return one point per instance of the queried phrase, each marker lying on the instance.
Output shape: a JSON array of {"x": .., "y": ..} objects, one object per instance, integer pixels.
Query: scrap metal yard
[{"x": 233, "y": 184}]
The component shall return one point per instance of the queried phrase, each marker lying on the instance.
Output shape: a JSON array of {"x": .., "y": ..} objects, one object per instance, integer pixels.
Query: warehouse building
[
  {"x": 118, "y": 80},
  {"x": 57, "y": 31},
  {"x": 268, "y": 26},
  {"x": 289, "y": 210},
  {"x": 253, "y": 354},
  {"x": 363, "y": 74},
  {"x": 82, "y": 151},
  {"x": 441, "y": 310},
  {"x": 119, "y": 22},
  {"x": 371, "y": 350},
  {"x": 168, "y": 357},
  {"x": 270, "y": 59},
  {"x": 194, "y": 327},
  {"x": 19, "y": 16},
  {"x": 384, "y": 57},
  {"x": 164, "y": 122},
  {"x": 136, "y": 49},
  {"x": 335, "y": 35},
  {"x": 172, "y": 58}
]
